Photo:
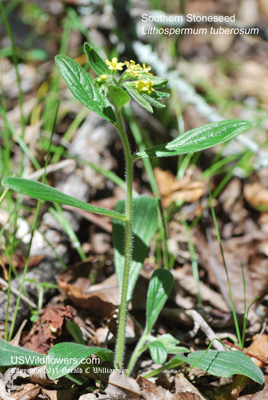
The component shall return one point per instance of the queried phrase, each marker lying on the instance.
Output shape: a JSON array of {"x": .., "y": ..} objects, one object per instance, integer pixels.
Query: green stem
[
  {"x": 123, "y": 308},
  {"x": 139, "y": 349}
]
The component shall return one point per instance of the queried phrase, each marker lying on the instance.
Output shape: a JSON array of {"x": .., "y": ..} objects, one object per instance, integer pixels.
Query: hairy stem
[{"x": 123, "y": 308}]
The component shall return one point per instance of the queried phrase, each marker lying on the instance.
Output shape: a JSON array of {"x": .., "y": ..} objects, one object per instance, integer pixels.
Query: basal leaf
[
  {"x": 138, "y": 97},
  {"x": 198, "y": 139},
  {"x": 145, "y": 222},
  {"x": 96, "y": 62},
  {"x": 224, "y": 364},
  {"x": 160, "y": 286},
  {"x": 118, "y": 96},
  {"x": 82, "y": 86},
  {"x": 65, "y": 357},
  {"x": 14, "y": 356},
  {"x": 158, "y": 352},
  {"x": 40, "y": 191},
  {"x": 171, "y": 344}
]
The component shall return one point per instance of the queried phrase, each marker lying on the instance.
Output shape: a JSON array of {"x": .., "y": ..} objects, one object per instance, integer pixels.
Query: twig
[
  {"x": 52, "y": 168},
  {"x": 16, "y": 292},
  {"x": 200, "y": 323}
]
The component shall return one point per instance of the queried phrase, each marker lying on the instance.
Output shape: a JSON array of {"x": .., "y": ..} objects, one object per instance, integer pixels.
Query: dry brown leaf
[
  {"x": 48, "y": 328},
  {"x": 172, "y": 189},
  {"x": 182, "y": 385},
  {"x": 100, "y": 300},
  {"x": 246, "y": 250},
  {"x": 121, "y": 386},
  {"x": 151, "y": 391},
  {"x": 19, "y": 260},
  {"x": 256, "y": 194},
  {"x": 28, "y": 391},
  {"x": 259, "y": 347}
]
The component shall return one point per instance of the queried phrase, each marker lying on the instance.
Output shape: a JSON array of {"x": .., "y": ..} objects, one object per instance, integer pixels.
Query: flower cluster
[{"x": 136, "y": 71}]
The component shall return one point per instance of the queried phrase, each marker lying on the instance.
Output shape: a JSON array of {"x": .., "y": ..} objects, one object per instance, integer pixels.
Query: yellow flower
[
  {"x": 133, "y": 69},
  {"x": 114, "y": 65},
  {"x": 102, "y": 78},
  {"x": 136, "y": 70},
  {"x": 145, "y": 85},
  {"x": 146, "y": 69}
]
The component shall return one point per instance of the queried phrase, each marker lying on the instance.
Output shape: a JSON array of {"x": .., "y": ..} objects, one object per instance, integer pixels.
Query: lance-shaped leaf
[
  {"x": 40, "y": 191},
  {"x": 160, "y": 286},
  {"x": 224, "y": 363},
  {"x": 15, "y": 355},
  {"x": 145, "y": 222},
  {"x": 198, "y": 139},
  {"x": 96, "y": 62},
  {"x": 65, "y": 357},
  {"x": 138, "y": 97},
  {"x": 82, "y": 87}
]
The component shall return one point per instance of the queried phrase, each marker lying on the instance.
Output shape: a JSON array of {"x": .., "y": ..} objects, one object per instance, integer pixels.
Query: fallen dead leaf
[
  {"x": 256, "y": 195},
  {"x": 183, "y": 385},
  {"x": 19, "y": 260},
  {"x": 28, "y": 391},
  {"x": 48, "y": 328},
  {"x": 100, "y": 300},
  {"x": 121, "y": 386},
  {"x": 259, "y": 347},
  {"x": 151, "y": 391},
  {"x": 172, "y": 189}
]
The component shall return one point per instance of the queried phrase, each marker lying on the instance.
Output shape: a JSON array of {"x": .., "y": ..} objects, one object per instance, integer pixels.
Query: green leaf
[
  {"x": 154, "y": 102},
  {"x": 138, "y": 97},
  {"x": 161, "y": 95},
  {"x": 158, "y": 352},
  {"x": 198, "y": 139},
  {"x": 75, "y": 331},
  {"x": 96, "y": 62},
  {"x": 15, "y": 355},
  {"x": 82, "y": 87},
  {"x": 145, "y": 223},
  {"x": 171, "y": 344},
  {"x": 158, "y": 81},
  {"x": 41, "y": 191},
  {"x": 160, "y": 286},
  {"x": 224, "y": 364},
  {"x": 64, "y": 357},
  {"x": 118, "y": 96}
]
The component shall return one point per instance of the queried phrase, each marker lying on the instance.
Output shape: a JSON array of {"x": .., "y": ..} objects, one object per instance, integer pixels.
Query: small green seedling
[{"x": 134, "y": 221}]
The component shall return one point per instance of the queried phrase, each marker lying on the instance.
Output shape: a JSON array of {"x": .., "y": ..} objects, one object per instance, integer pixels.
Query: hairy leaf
[
  {"x": 160, "y": 286},
  {"x": 15, "y": 355},
  {"x": 118, "y": 96},
  {"x": 63, "y": 358},
  {"x": 145, "y": 222},
  {"x": 198, "y": 139},
  {"x": 41, "y": 191},
  {"x": 96, "y": 62},
  {"x": 158, "y": 352},
  {"x": 138, "y": 97},
  {"x": 82, "y": 87}
]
